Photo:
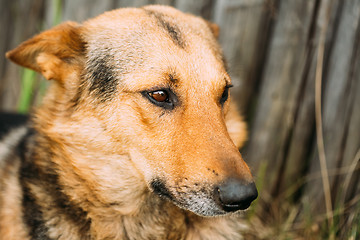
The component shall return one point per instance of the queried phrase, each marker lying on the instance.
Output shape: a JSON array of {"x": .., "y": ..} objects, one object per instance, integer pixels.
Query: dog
[{"x": 136, "y": 137}]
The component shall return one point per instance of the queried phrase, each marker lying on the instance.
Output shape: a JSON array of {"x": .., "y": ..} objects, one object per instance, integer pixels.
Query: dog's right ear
[
  {"x": 53, "y": 52},
  {"x": 215, "y": 29}
]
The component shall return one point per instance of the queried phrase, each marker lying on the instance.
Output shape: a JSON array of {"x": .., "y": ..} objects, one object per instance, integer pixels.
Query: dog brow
[
  {"x": 172, "y": 77},
  {"x": 171, "y": 29},
  {"x": 102, "y": 77}
]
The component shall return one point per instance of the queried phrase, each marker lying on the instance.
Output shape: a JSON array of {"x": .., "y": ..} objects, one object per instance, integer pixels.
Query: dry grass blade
[
  {"x": 318, "y": 118},
  {"x": 352, "y": 169}
]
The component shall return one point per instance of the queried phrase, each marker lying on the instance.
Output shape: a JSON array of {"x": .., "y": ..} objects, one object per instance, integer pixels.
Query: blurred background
[{"x": 295, "y": 65}]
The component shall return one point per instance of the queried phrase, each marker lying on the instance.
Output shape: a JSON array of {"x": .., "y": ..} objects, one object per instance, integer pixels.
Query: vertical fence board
[
  {"x": 338, "y": 96},
  {"x": 164, "y": 2},
  {"x": 131, "y": 3},
  {"x": 8, "y": 87},
  {"x": 16, "y": 29},
  {"x": 352, "y": 148},
  {"x": 242, "y": 29},
  {"x": 301, "y": 141},
  {"x": 351, "y": 154},
  {"x": 281, "y": 84},
  {"x": 81, "y": 10},
  {"x": 200, "y": 7}
]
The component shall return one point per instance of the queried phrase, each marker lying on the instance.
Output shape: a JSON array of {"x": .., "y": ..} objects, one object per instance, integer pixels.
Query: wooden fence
[{"x": 295, "y": 65}]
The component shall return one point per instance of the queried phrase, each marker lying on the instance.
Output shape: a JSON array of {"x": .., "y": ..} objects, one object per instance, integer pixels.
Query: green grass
[
  {"x": 27, "y": 88},
  {"x": 57, "y": 11}
]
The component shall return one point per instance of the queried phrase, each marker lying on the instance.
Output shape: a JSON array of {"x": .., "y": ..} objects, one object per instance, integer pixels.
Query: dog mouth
[
  {"x": 201, "y": 201},
  {"x": 235, "y": 207},
  {"x": 159, "y": 187}
]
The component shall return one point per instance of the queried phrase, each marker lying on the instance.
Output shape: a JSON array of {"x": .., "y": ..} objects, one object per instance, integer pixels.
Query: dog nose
[{"x": 234, "y": 195}]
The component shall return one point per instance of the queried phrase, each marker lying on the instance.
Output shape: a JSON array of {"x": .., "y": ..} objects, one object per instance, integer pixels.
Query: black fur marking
[
  {"x": 31, "y": 210},
  {"x": 102, "y": 77},
  {"x": 159, "y": 187},
  {"x": 75, "y": 101},
  {"x": 126, "y": 236},
  {"x": 47, "y": 179},
  {"x": 172, "y": 30},
  {"x": 10, "y": 121},
  {"x": 172, "y": 78},
  {"x": 33, "y": 216}
]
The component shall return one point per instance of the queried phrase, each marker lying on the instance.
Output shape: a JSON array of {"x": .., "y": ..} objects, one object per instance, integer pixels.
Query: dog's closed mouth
[
  {"x": 159, "y": 187},
  {"x": 235, "y": 207}
]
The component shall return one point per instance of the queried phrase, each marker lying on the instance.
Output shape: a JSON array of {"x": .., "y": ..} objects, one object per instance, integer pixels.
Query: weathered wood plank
[
  {"x": 200, "y": 7},
  {"x": 338, "y": 99},
  {"x": 244, "y": 27},
  {"x": 163, "y": 2},
  {"x": 131, "y": 3},
  {"x": 351, "y": 155},
  {"x": 281, "y": 86},
  {"x": 6, "y": 99},
  {"x": 301, "y": 142},
  {"x": 16, "y": 29},
  {"x": 81, "y": 10}
]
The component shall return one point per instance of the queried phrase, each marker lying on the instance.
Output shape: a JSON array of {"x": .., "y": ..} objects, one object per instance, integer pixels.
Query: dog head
[{"x": 154, "y": 84}]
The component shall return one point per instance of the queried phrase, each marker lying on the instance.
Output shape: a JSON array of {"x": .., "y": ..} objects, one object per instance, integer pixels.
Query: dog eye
[
  {"x": 225, "y": 95},
  {"x": 164, "y": 98},
  {"x": 159, "y": 96}
]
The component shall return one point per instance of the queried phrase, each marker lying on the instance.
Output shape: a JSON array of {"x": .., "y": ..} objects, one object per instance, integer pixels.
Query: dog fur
[{"x": 100, "y": 158}]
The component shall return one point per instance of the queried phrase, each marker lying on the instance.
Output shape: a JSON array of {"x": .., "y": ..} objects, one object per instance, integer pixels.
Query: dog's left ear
[
  {"x": 215, "y": 29},
  {"x": 53, "y": 53}
]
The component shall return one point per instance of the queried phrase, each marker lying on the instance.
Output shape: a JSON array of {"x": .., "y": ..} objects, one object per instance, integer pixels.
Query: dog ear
[
  {"x": 236, "y": 126},
  {"x": 215, "y": 29},
  {"x": 51, "y": 52}
]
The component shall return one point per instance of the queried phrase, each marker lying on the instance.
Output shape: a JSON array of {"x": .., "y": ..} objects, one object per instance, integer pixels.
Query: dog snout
[{"x": 234, "y": 195}]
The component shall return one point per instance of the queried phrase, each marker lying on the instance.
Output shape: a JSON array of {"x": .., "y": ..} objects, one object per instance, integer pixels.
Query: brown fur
[{"x": 107, "y": 145}]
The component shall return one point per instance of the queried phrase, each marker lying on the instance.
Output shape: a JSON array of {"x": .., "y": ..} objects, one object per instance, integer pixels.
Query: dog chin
[
  {"x": 201, "y": 205},
  {"x": 198, "y": 202}
]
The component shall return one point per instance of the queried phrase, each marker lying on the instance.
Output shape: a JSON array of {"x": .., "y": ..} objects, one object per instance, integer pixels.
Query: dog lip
[
  {"x": 235, "y": 207},
  {"x": 159, "y": 187}
]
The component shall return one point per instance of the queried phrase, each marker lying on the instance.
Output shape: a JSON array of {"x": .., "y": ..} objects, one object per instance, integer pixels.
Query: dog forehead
[
  {"x": 148, "y": 20},
  {"x": 149, "y": 26},
  {"x": 154, "y": 38}
]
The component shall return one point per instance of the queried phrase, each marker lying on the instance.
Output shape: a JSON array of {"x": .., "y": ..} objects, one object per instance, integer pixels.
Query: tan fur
[{"x": 107, "y": 153}]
